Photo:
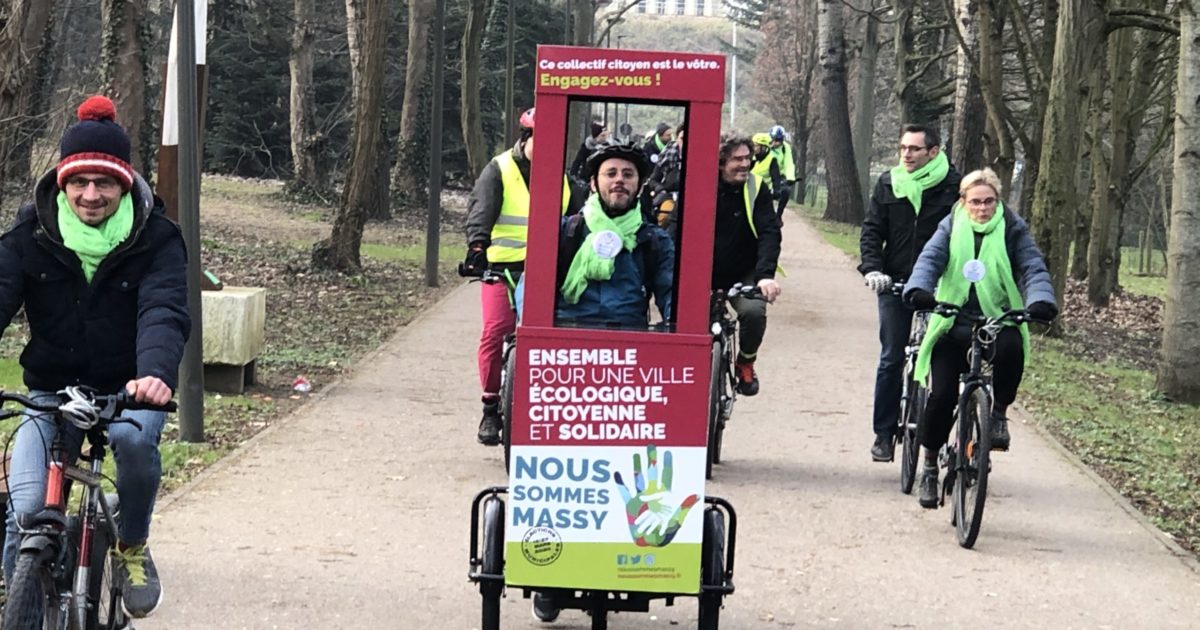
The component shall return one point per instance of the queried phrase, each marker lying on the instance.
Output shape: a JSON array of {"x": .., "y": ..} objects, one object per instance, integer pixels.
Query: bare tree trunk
[
  {"x": 1092, "y": 152},
  {"x": 1105, "y": 190},
  {"x": 357, "y": 21},
  {"x": 1079, "y": 29},
  {"x": 966, "y": 136},
  {"x": 864, "y": 103},
  {"x": 412, "y": 157},
  {"x": 1001, "y": 153},
  {"x": 124, "y": 64},
  {"x": 845, "y": 196},
  {"x": 582, "y": 16},
  {"x": 308, "y": 176},
  {"x": 472, "y": 124},
  {"x": 903, "y": 42},
  {"x": 341, "y": 250},
  {"x": 22, "y": 41},
  {"x": 1039, "y": 98},
  {"x": 1179, "y": 372}
]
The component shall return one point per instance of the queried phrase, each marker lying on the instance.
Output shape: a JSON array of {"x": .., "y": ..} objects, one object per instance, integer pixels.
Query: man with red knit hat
[{"x": 101, "y": 273}]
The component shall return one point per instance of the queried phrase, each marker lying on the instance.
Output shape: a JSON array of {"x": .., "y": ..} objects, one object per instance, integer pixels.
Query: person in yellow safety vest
[
  {"x": 745, "y": 249},
  {"x": 497, "y": 228},
  {"x": 782, "y": 150},
  {"x": 766, "y": 165}
]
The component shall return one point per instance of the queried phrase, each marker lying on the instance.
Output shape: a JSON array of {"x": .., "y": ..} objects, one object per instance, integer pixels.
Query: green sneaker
[{"x": 143, "y": 591}]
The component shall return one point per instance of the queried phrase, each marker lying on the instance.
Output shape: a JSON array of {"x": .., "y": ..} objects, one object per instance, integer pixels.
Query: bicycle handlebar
[
  {"x": 1017, "y": 316},
  {"x": 486, "y": 276},
  {"x": 109, "y": 406},
  {"x": 740, "y": 290}
]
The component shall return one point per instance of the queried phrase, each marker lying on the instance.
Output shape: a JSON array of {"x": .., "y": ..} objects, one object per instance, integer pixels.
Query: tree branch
[
  {"x": 612, "y": 20},
  {"x": 1118, "y": 19}
]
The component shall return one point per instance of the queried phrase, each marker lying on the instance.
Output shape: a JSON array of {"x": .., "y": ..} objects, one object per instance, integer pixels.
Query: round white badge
[
  {"x": 607, "y": 244},
  {"x": 974, "y": 270}
]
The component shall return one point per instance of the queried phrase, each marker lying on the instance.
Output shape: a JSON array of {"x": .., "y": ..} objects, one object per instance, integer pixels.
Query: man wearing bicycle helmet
[
  {"x": 766, "y": 164},
  {"x": 782, "y": 150},
  {"x": 611, "y": 258},
  {"x": 745, "y": 249},
  {"x": 497, "y": 230},
  {"x": 1009, "y": 273},
  {"x": 102, "y": 275}
]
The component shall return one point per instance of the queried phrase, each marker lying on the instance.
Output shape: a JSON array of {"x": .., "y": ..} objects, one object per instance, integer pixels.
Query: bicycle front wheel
[
  {"x": 32, "y": 600},
  {"x": 714, "y": 412},
  {"x": 973, "y": 464},
  {"x": 506, "y": 403},
  {"x": 104, "y": 588},
  {"x": 914, "y": 407}
]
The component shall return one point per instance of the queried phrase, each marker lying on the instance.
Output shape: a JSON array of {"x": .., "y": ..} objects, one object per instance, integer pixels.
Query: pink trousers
[{"x": 499, "y": 319}]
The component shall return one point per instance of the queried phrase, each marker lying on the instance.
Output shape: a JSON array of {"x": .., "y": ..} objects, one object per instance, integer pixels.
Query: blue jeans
[
  {"x": 895, "y": 324},
  {"x": 139, "y": 470}
]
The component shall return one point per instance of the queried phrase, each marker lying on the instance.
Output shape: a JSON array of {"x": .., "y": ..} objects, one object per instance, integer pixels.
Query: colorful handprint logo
[{"x": 654, "y": 517}]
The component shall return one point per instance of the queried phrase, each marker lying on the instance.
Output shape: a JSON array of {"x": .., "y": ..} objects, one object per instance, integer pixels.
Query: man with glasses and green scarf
[
  {"x": 611, "y": 258},
  {"x": 102, "y": 275},
  {"x": 906, "y": 206}
]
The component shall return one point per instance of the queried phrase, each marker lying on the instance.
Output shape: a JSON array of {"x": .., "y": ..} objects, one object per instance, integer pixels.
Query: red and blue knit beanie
[{"x": 96, "y": 144}]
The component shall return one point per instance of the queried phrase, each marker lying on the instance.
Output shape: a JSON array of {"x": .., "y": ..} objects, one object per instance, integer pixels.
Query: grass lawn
[{"x": 1105, "y": 412}]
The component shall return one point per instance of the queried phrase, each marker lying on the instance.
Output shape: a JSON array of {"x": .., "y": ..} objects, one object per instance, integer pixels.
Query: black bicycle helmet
[{"x": 617, "y": 150}]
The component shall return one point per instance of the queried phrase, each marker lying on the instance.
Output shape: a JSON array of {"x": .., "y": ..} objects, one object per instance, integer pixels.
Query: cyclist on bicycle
[
  {"x": 782, "y": 150},
  {"x": 101, "y": 272},
  {"x": 497, "y": 228},
  {"x": 745, "y": 249},
  {"x": 905, "y": 209},
  {"x": 611, "y": 258},
  {"x": 989, "y": 242}
]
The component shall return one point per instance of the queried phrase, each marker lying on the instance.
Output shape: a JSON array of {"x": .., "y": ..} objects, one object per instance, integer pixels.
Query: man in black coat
[
  {"x": 101, "y": 273},
  {"x": 746, "y": 250},
  {"x": 906, "y": 206}
]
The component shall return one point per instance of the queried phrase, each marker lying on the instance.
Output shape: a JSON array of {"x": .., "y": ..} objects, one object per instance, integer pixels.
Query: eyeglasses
[
  {"x": 104, "y": 185},
  {"x": 981, "y": 203},
  {"x": 912, "y": 148}
]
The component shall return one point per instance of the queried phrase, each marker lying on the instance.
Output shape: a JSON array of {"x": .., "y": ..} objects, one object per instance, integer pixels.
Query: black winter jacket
[
  {"x": 736, "y": 253},
  {"x": 130, "y": 322},
  {"x": 893, "y": 235}
]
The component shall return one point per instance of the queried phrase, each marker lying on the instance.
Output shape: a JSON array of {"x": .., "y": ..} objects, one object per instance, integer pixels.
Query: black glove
[
  {"x": 1042, "y": 311},
  {"x": 921, "y": 300},
  {"x": 476, "y": 261}
]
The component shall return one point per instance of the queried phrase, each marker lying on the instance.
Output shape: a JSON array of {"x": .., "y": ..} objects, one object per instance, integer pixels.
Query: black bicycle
[
  {"x": 967, "y": 456},
  {"x": 508, "y": 362},
  {"x": 722, "y": 388},
  {"x": 65, "y": 577},
  {"x": 913, "y": 396}
]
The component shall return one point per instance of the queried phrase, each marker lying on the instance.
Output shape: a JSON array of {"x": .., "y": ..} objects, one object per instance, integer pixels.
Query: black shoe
[
  {"x": 884, "y": 448},
  {"x": 544, "y": 608},
  {"x": 490, "y": 425},
  {"x": 998, "y": 429},
  {"x": 929, "y": 487}
]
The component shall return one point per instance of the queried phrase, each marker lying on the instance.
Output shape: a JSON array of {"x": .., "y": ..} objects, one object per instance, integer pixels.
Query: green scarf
[
  {"x": 587, "y": 264},
  {"x": 658, "y": 142},
  {"x": 997, "y": 291},
  {"x": 912, "y": 185},
  {"x": 92, "y": 244}
]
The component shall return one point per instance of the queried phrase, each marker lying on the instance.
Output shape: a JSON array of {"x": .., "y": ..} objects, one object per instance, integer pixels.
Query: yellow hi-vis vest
[
  {"x": 511, "y": 230},
  {"x": 787, "y": 165},
  {"x": 763, "y": 169},
  {"x": 750, "y": 193}
]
